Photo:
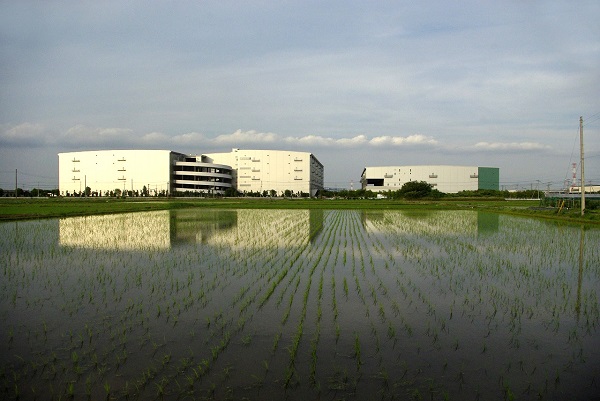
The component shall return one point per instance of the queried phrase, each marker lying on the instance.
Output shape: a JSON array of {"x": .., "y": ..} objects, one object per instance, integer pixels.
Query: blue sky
[{"x": 357, "y": 83}]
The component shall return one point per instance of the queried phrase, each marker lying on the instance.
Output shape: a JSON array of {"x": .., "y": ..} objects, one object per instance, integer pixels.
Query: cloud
[
  {"x": 354, "y": 141},
  {"x": 402, "y": 141},
  {"x": 155, "y": 138},
  {"x": 82, "y": 135},
  {"x": 239, "y": 137},
  {"x": 311, "y": 140},
  {"x": 24, "y": 135},
  {"x": 362, "y": 140},
  {"x": 510, "y": 146},
  {"x": 189, "y": 139}
]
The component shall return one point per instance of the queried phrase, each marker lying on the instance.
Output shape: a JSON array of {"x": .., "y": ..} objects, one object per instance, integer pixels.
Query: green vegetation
[
  {"x": 299, "y": 304},
  {"x": 34, "y": 208}
]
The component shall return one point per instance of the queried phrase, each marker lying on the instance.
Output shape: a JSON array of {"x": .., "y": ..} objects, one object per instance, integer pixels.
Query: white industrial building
[
  {"x": 195, "y": 174},
  {"x": 107, "y": 170},
  {"x": 447, "y": 179},
  {"x": 156, "y": 172},
  {"x": 278, "y": 170}
]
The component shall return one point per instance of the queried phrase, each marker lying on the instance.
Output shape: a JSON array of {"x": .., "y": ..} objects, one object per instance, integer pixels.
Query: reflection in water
[
  {"x": 252, "y": 228},
  {"x": 436, "y": 309},
  {"x": 581, "y": 246},
  {"x": 432, "y": 221},
  {"x": 487, "y": 223},
  {"x": 163, "y": 229},
  {"x": 127, "y": 231},
  {"x": 190, "y": 226}
]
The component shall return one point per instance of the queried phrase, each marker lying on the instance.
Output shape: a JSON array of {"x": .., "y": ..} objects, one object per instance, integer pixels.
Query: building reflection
[
  {"x": 165, "y": 229},
  {"x": 487, "y": 223},
  {"x": 194, "y": 226},
  {"x": 431, "y": 222},
  {"x": 126, "y": 231},
  {"x": 244, "y": 229}
]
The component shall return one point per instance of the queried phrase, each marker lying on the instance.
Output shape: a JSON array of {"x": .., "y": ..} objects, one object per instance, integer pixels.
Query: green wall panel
[{"x": 489, "y": 178}]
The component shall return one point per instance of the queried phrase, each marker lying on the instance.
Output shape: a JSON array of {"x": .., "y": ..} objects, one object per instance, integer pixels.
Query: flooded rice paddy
[{"x": 298, "y": 305}]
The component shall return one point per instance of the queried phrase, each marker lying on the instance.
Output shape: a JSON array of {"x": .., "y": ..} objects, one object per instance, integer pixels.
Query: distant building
[
  {"x": 156, "y": 172},
  {"x": 104, "y": 171},
  {"x": 196, "y": 174},
  {"x": 447, "y": 179},
  {"x": 277, "y": 170}
]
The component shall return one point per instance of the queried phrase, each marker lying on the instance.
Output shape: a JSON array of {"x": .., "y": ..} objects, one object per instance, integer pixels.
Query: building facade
[
  {"x": 164, "y": 172},
  {"x": 447, "y": 179},
  {"x": 272, "y": 170},
  {"x": 195, "y": 174},
  {"x": 104, "y": 171}
]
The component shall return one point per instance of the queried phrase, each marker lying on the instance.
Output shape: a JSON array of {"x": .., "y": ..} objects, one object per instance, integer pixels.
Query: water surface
[{"x": 299, "y": 304}]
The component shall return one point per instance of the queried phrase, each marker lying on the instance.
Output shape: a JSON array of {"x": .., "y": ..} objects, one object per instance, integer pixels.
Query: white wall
[
  {"x": 106, "y": 170},
  {"x": 253, "y": 170},
  {"x": 448, "y": 179},
  {"x": 265, "y": 170}
]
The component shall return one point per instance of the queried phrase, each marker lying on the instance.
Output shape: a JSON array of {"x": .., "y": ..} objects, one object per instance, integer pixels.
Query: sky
[{"x": 356, "y": 83}]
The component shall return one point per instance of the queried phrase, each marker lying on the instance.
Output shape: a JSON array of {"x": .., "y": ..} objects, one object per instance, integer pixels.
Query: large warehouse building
[
  {"x": 266, "y": 170},
  {"x": 156, "y": 172},
  {"x": 447, "y": 179}
]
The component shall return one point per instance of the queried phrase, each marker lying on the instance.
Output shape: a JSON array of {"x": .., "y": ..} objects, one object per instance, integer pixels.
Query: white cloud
[
  {"x": 355, "y": 141},
  {"x": 240, "y": 136},
  {"x": 311, "y": 140},
  {"x": 510, "y": 146},
  {"x": 82, "y": 135},
  {"x": 189, "y": 139},
  {"x": 25, "y": 134},
  {"x": 155, "y": 138},
  {"x": 361, "y": 140},
  {"x": 402, "y": 141}
]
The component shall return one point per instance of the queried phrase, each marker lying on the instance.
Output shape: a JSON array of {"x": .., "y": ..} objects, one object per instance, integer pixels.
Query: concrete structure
[
  {"x": 277, "y": 170},
  {"x": 195, "y": 174},
  {"x": 448, "y": 179},
  {"x": 107, "y": 170},
  {"x": 159, "y": 171},
  {"x": 166, "y": 172}
]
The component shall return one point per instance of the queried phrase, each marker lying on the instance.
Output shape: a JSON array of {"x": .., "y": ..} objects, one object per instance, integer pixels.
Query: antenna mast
[{"x": 581, "y": 163}]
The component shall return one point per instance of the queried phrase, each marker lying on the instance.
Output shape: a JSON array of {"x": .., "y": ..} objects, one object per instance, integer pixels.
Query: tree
[
  {"x": 117, "y": 192},
  {"x": 415, "y": 189},
  {"x": 231, "y": 192},
  {"x": 88, "y": 191}
]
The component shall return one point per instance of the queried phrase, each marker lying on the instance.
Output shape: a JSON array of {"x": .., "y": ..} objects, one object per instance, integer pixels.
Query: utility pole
[
  {"x": 581, "y": 163},
  {"x": 16, "y": 186}
]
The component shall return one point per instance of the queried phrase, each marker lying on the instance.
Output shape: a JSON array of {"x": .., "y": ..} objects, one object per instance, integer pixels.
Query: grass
[{"x": 35, "y": 208}]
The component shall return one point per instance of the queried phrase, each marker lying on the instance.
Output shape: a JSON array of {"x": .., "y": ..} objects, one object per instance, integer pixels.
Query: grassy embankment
[{"x": 34, "y": 208}]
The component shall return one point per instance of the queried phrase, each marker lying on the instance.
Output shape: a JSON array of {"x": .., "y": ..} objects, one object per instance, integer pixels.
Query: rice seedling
[
  {"x": 425, "y": 284},
  {"x": 357, "y": 356}
]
